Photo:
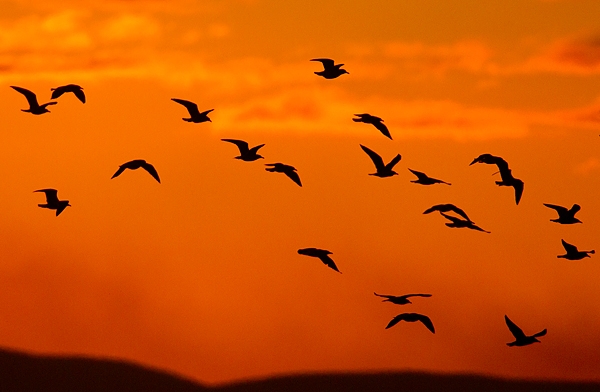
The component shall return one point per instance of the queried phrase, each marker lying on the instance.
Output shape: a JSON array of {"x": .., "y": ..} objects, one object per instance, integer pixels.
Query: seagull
[
  {"x": 505, "y": 173},
  {"x": 376, "y": 121},
  {"x": 52, "y": 202},
  {"x": 330, "y": 69},
  {"x": 447, "y": 208},
  {"x": 565, "y": 216},
  {"x": 424, "y": 179},
  {"x": 412, "y": 317},
  {"x": 573, "y": 253},
  {"x": 288, "y": 170},
  {"x": 192, "y": 108},
  {"x": 520, "y": 338},
  {"x": 69, "y": 88},
  {"x": 34, "y": 106},
  {"x": 459, "y": 223},
  {"x": 322, "y": 255},
  {"x": 246, "y": 154},
  {"x": 136, "y": 164},
  {"x": 382, "y": 170},
  {"x": 402, "y": 299}
]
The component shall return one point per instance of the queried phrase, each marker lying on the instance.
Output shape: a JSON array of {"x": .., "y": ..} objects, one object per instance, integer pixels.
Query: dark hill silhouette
[{"x": 31, "y": 373}]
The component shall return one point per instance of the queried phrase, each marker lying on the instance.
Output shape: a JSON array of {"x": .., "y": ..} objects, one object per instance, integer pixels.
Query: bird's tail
[
  {"x": 356, "y": 120},
  {"x": 511, "y": 344},
  {"x": 43, "y": 205},
  {"x": 187, "y": 119}
]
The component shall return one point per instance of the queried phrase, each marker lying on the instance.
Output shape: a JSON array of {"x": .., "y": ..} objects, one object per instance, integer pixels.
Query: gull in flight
[
  {"x": 52, "y": 202},
  {"x": 330, "y": 69},
  {"x": 246, "y": 154},
  {"x": 288, "y": 170},
  {"x": 505, "y": 173},
  {"x": 382, "y": 169},
  {"x": 565, "y": 216},
  {"x": 424, "y": 179},
  {"x": 69, "y": 88},
  {"x": 34, "y": 106},
  {"x": 375, "y": 121},
  {"x": 573, "y": 253},
  {"x": 136, "y": 164},
  {"x": 322, "y": 255},
  {"x": 459, "y": 223},
  {"x": 400, "y": 299},
  {"x": 412, "y": 317},
  {"x": 192, "y": 108},
  {"x": 448, "y": 208},
  {"x": 520, "y": 338}
]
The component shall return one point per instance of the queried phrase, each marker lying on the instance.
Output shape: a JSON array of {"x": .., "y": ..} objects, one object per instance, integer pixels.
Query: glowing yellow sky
[{"x": 200, "y": 274}]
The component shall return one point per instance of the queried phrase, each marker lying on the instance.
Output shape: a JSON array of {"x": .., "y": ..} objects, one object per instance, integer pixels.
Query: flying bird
[
  {"x": 330, "y": 69},
  {"x": 520, "y": 338},
  {"x": 246, "y": 154},
  {"x": 136, "y": 164},
  {"x": 192, "y": 108},
  {"x": 52, "y": 202},
  {"x": 376, "y": 121},
  {"x": 382, "y": 169},
  {"x": 69, "y": 88},
  {"x": 505, "y": 173},
  {"x": 459, "y": 223},
  {"x": 401, "y": 299},
  {"x": 573, "y": 253},
  {"x": 412, "y": 317},
  {"x": 34, "y": 106},
  {"x": 322, "y": 255},
  {"x": 448, "y": 208},
  {"x": 424, "y": 179},
  {"x": 288, "y": 170},
  {"x": 565, "y": 216}
]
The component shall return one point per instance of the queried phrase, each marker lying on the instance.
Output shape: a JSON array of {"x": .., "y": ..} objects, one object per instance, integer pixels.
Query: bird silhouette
[
  {"x": 52, "y": 202},
  {"x": 573, "y": 253},
  {"x": 376, "y": 121},
  {"x": 565, "y": 216},
  {"x": 424, "y": 179},
  {"x": 246, "y": 154},
  {"x": 448, "y": 208},
  {"x": 69, "y": 88},
  {"x": 192, "y": 108},
  {"x": 288, "y": 170},
  {"x": 505, "y": 173},
  {"x": 401, "y": 299},
  {"x": 412, "y": 317},
  {"x": 459, "y": 223},
  {"x": 136, "y": 164},
  {"x": 322, "y": 255},
  {"x": 520, "y": 338},
  {"x": 330, "y": 69},
  {"x": 34, "y": 106},
  {"x": 382, "y": 169}
]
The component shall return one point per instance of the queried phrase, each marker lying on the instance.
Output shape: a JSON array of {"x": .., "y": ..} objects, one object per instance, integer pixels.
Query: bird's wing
[
  {"x": 51, "y": 195},
  {"x": 204, "y": 113},
  {"x": 575, "y": 208},
  {"x": 327, "y": 63},
  {"x": 541, "y": 333},
  {"x": 559, "y": 209},
  {"x": 451, "y": 218},
  {"x": 61, "y": 208},
  {"x": 313, "y": 252},
  {"x": 29, "y": 95},
  {"x": 459, "y": 211},
  {"x": 119, "y": 171},
  {"x": 393, "y": 162},
  {"x": 377, "y": 160},
  {"x": 382, "y": 128},
  {"x": 568, "y": 247},
  {"x": 255, "y": 149},
  {"x": 426, "y": 321},
  {"x": 432, "y": 209},
  {"x": 518, "y": 185},
  {"x": 396, "y": 320},
  {"x": 475, "y": 227},
  {"x": 420, "y": 175},
  {"x": 79, "y": 94},
  {"x": 57, "y": 92},
  {"x": 150, "y": 169},
  {"x": 384, "y": 296},
  {"x": 514, "y": 329},
  {"x": 291, "y": 173},
  {"x": 328, "y": 261},
  {"x": 416, "y": 295},
  {"x": 242, "y": 145},
  {"x": 191, "y": 107},
  {"x": 502, "y": 166}
]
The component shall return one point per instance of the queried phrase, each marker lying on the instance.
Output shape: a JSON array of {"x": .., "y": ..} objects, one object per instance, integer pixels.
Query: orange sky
[{"x": 200, "y": 274}]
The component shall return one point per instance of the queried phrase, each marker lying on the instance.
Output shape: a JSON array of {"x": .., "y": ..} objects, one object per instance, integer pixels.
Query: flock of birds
[{"x": 456, "y": 216}]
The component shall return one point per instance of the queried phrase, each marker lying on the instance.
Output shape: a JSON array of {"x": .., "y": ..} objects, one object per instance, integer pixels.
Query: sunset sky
[{"x": 200, "y": 274}]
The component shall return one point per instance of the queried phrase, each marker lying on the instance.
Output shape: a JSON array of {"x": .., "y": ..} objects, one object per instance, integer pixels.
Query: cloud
[{"x": 130, "y": 27}]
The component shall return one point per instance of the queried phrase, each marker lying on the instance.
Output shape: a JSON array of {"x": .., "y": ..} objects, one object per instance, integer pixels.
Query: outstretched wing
[
  {"x": 57, "y": 92},
  {"x": 150, "y": 169},
  {"x": 426, "y": 321},
  {"x": 420, "y": 175},
  {"x": 453, "y": 219},
  {"x": 255, "y": 149},
  {"x": 79, "y": 94},
  {"x": 514, "y": 329},
  {"x": 568, "y": 247},
  {"x": 541, "y": 333},
  {"x": 396, "y": 320},
  {"x": 393, "y": 162},
  {"x": 329, "y": 262},
  {"x": 559, "y": 209},
  {"x": 29, "y": 95},
  {"x": 575, "y": 208},
  {"x": 241, "y": 145},
  {"x": 191, "y": 107},
  {"x": 377, "y": 160},
  {"x": 61, "y": 208},
  {"x": 291, "y": 173},
  {"x": 119, "y": 171},
  {"x": 382, "y": 128},
  {"x": 384, "y": 296},
  {"x": 416, "y": 295},
  {"x": 51, "y": 195},
  {"x": 203, "y": 114},
  {"x": 518, "y": 185},
  {"x": 327, "y": 63}
]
